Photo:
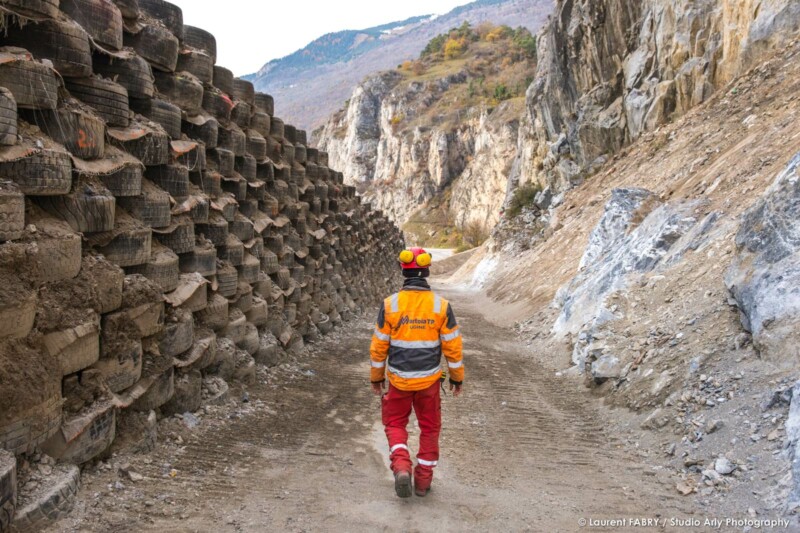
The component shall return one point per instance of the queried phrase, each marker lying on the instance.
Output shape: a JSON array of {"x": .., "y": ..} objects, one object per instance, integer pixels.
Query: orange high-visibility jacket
[{"x": 415, "y": 328}]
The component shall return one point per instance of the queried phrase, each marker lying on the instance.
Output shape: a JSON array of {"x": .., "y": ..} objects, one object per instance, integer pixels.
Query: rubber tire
[
  {"x": 109, "y": 99},
  {"x": 8, "y": 489},
  {"x": 162, "y": 269},
  {"x": 133, "y": 72},
  {"x": 102, "y": 19},
  {"x": 130, "y": 248},
  {"x": 217, "y": 104},
  {"x": 233, "y": 139},
  {"x": 33, "y": 85},
  {"x": 249, "y": 269},
  {"x": 159, "y": 393},
  {"x": 260, "y": 122},
  {"x": 184, "y": 91},
  {"x": 82, "y": 133},
  {"x": 198, "y": 63},
  {"x": 301, "y": 137},
  {"x": 45, "y": 173},
  {"x": 63, "y": 42},
  {"x": 161, "y": 112},
  {"x": 8, "y": 118},
  {"x": 244, "y": 90},
  {"x": 169, "y": 14},
  {"x": 12, "y": 211},
  {"x": 126, "y": 181},
  {"x": 269, "y": 262},
  {"x": 223, "y": 80},
  {"x": 216, "y": 230},
  {"x": 55, "y": 504},
  {"x": 300, "y": 155},
  {"x": 246, "y": 166},
  {"x": 152, "y": 207},
  {"x": 238, "y": 188},
  {"x": 277, "y": 127},
  {"x": 256, "y": 147},
  {"x": 242, "y": 227},
  {"x": 222, "y": 160},
  {"x": 240, "y": 114},
  {"x": 209, "y": 181},
  {"x": 157, "y": 45},
  {"x": 202, "y": 40},
  {"x": 151, "y": 149},
  {"x": 172, "y": 178},
  {"x": 188, "y": 394},
  {"x": 48, "y": 8},
  {"x": 129, "y": 8},
  {"x": 215, "y": 315},
  {"x": 181, "y": 240},
  {"x": 289, "y": 133},
  {"x": 89, "y": 208},
  {"x": 208, "y": 133},
  {"x": 201, "y": 260},
  {"x": 232, "y": 252},
  {"x": 265, "y": 103}
]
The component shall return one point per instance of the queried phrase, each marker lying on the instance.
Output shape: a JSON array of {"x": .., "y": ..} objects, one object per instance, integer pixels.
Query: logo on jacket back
[{"x": 416, "y": 323}]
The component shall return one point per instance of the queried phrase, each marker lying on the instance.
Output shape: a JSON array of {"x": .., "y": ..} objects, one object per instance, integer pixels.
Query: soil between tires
[{"x": 521, "y": 450}]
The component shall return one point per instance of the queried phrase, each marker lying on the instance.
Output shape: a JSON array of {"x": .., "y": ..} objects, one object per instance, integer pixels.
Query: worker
[{"x": 415, "y": 327}]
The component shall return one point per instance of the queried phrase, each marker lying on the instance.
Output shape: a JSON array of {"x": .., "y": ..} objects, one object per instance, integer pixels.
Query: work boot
[
  {"x": 402, "y": 484},
  {"x": 423, "y": 477}
]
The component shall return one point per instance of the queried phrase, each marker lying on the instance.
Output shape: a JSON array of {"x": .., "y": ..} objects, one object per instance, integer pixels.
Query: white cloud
[{"x": 250, "y": 33}]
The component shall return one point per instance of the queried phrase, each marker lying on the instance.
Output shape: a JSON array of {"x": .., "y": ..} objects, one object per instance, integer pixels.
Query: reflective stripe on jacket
[{"x": 415, "y": 327}]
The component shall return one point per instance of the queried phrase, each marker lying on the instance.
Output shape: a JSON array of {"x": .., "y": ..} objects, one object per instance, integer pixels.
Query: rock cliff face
[
  {"x": 610, "y": 70},
  {"x": 402, "y": 168}
]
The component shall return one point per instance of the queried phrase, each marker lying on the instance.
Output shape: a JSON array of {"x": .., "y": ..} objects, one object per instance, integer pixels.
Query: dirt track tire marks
[{"x": 322, "y": 433}]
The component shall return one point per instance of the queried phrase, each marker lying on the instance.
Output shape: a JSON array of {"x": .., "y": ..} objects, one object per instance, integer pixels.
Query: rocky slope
[
  {"x": 313, "y": 82},
  {"x": 611, "y": 70},
  {"x": 425, "y": 136},
  {"x": 659, "y": 264}
]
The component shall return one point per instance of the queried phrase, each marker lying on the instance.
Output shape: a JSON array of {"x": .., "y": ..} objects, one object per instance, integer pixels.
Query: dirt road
[{"x": 521, "y": 450}]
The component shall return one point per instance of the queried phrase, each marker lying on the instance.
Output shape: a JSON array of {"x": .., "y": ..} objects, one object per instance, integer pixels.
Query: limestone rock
[{"x": 765, "y": 277}]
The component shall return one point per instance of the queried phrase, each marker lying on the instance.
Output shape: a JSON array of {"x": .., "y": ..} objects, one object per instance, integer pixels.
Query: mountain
[
  {"x": 431, "y": 143},
  {"x": 313, "y": 82}
]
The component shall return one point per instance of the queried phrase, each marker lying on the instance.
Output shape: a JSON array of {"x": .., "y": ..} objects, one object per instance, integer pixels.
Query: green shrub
[
  {"x": 523, "y": 197},
  {"x": 475, "y": 234}
]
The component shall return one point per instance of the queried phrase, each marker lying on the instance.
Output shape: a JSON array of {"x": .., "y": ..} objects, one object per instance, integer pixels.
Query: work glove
[{"x": 455, "y": 388}]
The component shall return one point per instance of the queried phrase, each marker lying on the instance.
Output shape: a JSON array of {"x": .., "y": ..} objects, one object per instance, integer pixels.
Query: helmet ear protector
[
  {"x": 424, "y": 260},
  {"x": 406, "y": 257}
]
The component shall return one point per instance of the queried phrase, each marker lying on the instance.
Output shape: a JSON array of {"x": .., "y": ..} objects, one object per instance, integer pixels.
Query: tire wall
[{"x": 114, "y": 193}]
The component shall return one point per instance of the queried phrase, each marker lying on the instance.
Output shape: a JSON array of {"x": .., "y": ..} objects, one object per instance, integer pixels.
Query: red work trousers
[{"x": 395, "y": 409}]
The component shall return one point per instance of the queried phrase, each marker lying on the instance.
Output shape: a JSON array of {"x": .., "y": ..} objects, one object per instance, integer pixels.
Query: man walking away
[{"x": 415, "y": 328}]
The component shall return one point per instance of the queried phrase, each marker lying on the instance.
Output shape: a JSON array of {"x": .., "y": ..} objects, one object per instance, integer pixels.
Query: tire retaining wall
[{"x": 161, "y": 232}]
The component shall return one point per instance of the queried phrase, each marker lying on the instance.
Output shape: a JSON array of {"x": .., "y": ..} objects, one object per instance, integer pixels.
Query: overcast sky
[{"x": 251, "y": 32}]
